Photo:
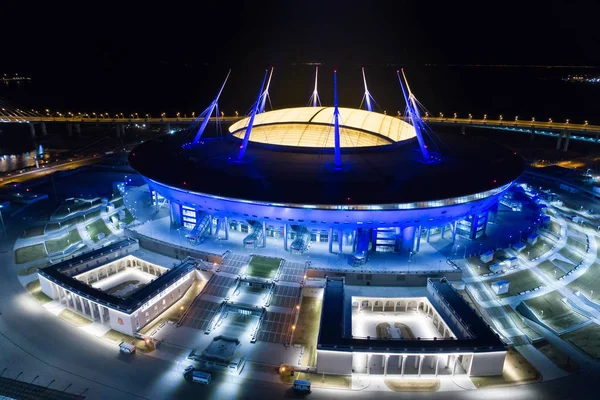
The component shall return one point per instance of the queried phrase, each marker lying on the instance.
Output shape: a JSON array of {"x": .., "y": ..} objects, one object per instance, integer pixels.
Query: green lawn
[
  {"x": 32, "y": 269},
  {"x": 516, "y": 318},
  {"x": 519, "y": 282},
  {"x": 554, "y": 227},
  {"x": 97, "y": 227},
  {"x": 33, "y": 231},
  {"x": 587, "y": 339},
  {"x": 557, "y": 357},
  {"x": 588, "y": 282},
  {"x": 54, "y": 226},
  {"x": 263, "y": 267},
  {"x": 35, "y": 290},
  {"x": 30, "y": 253},
  {"x": 556, "y": 313},
  {"x": 128, "y": 217},
  {"x": 73, "y": 318},
  {"x": 577, "y": 243},
  {"x": 537, "y": 249},
  {"x": 548, "y": 268},
  {"x": 570, "y": 255},
  {"x": 72, "y": 207},
  {"x": 307, "y": 329},
  {"x": 61, "y": 244},
  {"x": 517, "y": 370}
]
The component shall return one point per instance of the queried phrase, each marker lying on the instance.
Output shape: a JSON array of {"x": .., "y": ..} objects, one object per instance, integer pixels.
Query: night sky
[{"x": 120, "y": 51}]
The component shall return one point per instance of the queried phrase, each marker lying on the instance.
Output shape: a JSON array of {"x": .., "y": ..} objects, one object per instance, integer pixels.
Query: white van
[
  {"x": 201, "y": 377},
  {"x": 301, "y": 386}
]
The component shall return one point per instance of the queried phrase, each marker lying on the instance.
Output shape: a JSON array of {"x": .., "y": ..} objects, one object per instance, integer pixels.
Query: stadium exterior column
[
  {"x": 285, "y": 247},
  {"x": 400, "y": 361},
  {"x": 340, "y": 241},
  {"x": 432, "y": 361},
  {"x": 226, "y": 228},
  {"x": 78, "y": 129},
  {"x": 454, "y": 365},
  {"x": 417, "y": 358},
  {"x": 532, "y": 133},
  {"x": 168, "y": 128},
  {"x": 443, "y": 230},
  {"x": 368, "y": 364},
  {"x": 428, "y": 234},
  {"x": 175, "y": 215},
  {"x": 264, "y": 233},
  {"x": 82, "y": 306},
  {"x": 31, "y": 129},
  {"x": 44, "y": 131},
  {"x": 385, "y": 365},
  {"x": 70, "y": 129},
  {"x": 454, "y": 231},
  {"x": 437, "y": 364},
  {"x": 403, "y": 365},
  {"x": 493, "y": 212},
  {"x": 474, "y": 223},
  {"x": 354, "y": 240},
  {"x": 408, "y": 238},
  {"x": 91, "y": 310},
  {"x": 210, "y": 225},
  {"x": 101, "y": 314},
  {"x": 421, "y": 359},
  {"x": 418, "y": 239}
]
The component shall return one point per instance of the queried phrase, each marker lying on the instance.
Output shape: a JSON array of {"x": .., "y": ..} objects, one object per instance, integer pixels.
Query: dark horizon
[{"x": 132, "y": 58}]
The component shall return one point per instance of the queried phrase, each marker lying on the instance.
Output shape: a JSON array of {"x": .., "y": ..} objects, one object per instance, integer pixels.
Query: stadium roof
[{"x": 313, "y": 127}]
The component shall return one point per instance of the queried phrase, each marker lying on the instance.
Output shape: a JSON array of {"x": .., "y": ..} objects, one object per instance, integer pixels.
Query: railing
[
  {"x": 516, "y": 123},
  {"x": 108, "y": 120}
]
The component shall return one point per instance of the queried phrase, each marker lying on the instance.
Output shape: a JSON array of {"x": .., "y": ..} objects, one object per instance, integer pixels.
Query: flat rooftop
[
  {"x": 336, "y": 321},
  {"x": 128, "y": 304},
  {"x": 381, "y": 175}
]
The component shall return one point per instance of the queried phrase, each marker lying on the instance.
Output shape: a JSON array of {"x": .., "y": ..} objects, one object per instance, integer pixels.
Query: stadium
[{"x": 328, "y": 179}]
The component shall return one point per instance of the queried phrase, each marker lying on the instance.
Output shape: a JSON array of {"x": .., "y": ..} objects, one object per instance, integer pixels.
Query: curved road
[{"x": 37, "y": 343}]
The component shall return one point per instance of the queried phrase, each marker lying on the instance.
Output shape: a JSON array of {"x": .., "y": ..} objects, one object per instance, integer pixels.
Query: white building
[
  {"x": 464, "y": 344},
  {"x": 96, "y": 285}
]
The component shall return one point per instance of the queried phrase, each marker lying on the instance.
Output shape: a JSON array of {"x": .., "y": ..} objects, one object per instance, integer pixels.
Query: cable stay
[
  {"x": 244, "y": 144},
  {"x": 205, "y": 117},
  {"x": 367, "y": 98},
  {"x": 265, "y": 94},
  {"x": 314, "y": 97},
  {"x": 414, "y": 116}
]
